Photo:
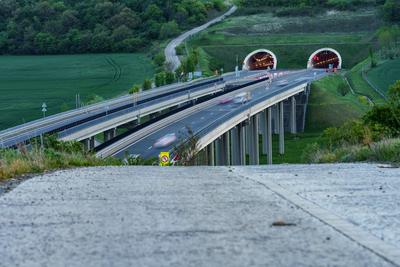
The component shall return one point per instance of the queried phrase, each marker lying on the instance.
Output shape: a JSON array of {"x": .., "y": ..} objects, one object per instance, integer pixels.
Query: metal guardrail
[
  {"x": 215, "y": 129},
  {"x": 114, "y": 120},
  {"x": 75, "y": 117},
  {"x": 121, "y": 144}
]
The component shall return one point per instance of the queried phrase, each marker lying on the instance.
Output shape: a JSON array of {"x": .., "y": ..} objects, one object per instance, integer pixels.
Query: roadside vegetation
[
  {"x": 374, "y": 137},
  {"x": 53, "y": 155}
]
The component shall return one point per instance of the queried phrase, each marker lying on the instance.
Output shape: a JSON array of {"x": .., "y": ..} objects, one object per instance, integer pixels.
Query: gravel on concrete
[{"x": 150, "y": 216}]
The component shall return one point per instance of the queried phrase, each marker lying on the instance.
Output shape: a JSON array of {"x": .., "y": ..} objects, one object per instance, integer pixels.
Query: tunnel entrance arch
[
  {"x": 261, "y": 59},
  {"x": 324, "y": 58}
]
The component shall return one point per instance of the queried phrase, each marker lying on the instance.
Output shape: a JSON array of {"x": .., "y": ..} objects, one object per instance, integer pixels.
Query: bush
[
  {"x": 160, "y": 79},
  {"x": 134, "y": 89},
  {"x": 169, "y": 77},
  {"x": 180, "y": 50},
  {"x": 147, "y": 84},
  {"x": 159, "y": 59}
]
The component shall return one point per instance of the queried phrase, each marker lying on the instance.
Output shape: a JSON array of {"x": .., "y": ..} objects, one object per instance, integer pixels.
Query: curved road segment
[
  {"x": 170, "y": 50},
  {"x": 203, "y": 120}
]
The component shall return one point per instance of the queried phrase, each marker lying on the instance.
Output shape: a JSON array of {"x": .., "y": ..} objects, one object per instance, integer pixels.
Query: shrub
[
  {"x": 134, "y": 89},
  {"x": 159, "y": 59},
  {"x": 180, "y": 50},
  {"x": 147, "y": 84},
  {"x": 169, "y": 77},
  {"x": 160, "y": 79}
]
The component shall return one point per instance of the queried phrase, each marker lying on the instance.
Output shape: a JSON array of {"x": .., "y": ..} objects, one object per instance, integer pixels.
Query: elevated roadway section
[
  {"x": 226, "y": 130},
  {"x": 86, "y": 122}
]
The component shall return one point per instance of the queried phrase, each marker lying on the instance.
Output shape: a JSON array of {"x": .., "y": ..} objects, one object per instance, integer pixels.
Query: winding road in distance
[{"x": 170, "y": 52}]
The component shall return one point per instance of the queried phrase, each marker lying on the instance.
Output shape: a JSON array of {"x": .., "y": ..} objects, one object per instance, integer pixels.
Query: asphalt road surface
[
  {"x": 200, "y": 120},
  {"x": 200, "y": 216},
  {"x": 170, "y": 50}
]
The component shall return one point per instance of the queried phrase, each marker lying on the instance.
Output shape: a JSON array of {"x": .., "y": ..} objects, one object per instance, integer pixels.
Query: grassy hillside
[
  {"x": 360, "y": 85},
  {"x": 385, "y": 74},
  {"x": 28, "y": 81},
  {"x": 328, "y": 108},
  {"x": 292, "y": 39}
]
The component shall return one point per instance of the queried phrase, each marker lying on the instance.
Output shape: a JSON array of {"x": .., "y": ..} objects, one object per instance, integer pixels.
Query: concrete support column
[
  {"x": 281, "y": 129},
  {"x": 264, "y": 127},
  {"x": 255, "y": 153},
  {"x": 235, "y": 144},
  {"x": 211, "y": 154},
  {"x": 227, "y": 149},
  {"x": 219, "y": 161},
  {"x": 110, "y": 134},
  {"x": 276, "y": 119},
  {"x": 269, "y": 136},
  {"x": 242, "y": 144},
  {"x": 248, "y": 134},
  {"x": 89, "y": 143},
  {"x": 293, "y": 116}
]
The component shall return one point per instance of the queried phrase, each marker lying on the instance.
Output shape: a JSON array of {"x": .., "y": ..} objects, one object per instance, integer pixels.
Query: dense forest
[
  {"x": 93, "y": 26},
  {"x": 324, "y": 3}
]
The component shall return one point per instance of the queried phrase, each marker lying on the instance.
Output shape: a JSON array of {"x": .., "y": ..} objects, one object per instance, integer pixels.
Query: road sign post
[{"x": 164, "y": 159}]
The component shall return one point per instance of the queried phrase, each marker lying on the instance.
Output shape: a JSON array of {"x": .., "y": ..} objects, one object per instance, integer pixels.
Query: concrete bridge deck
[{"x": 338, "y": 215}]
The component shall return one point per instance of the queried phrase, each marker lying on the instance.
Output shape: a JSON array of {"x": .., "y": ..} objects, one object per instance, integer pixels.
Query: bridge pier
[
  {"x": 235, "y": 141},
  {"x": 89, "y": 143},
  {"x": 281, "y": 130},
  {"x": 264, "y": 131},
  {"x": 254, "y": 142},
  {"x": 242, "y": 144},
  {"x": 227, "y": 149},
  {"x": 218, "y": 152},
  {"x": 293, "y": 115},
  {"x": 276, "y": 119},
  {"x": 110, "y": 134},
  {"x": 211, "y": 154},
  {"x": 269, "y": 135},
  {"x": 248, "y": 137}
]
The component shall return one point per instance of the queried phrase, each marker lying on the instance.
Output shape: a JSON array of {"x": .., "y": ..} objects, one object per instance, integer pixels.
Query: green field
[
  {"x": 28, "y": 81},
  {"x": 385, "y": 74},
  {"x": 292, "y": 39}
]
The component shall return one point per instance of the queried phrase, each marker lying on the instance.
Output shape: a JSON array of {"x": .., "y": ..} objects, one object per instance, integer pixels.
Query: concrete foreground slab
[{"x": 200, "y": 216}]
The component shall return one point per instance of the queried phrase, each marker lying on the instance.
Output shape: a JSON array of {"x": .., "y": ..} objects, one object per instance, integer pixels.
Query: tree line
[
  {"x": 390, "y": 9},
  {"x": 93, "y": 26}
]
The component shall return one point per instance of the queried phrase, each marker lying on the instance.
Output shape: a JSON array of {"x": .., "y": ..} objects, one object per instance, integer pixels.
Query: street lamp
[{"x": 44, "y": 109}]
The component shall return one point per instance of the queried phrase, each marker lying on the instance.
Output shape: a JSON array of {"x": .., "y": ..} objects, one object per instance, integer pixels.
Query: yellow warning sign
[{"x": 164, "y": 158}]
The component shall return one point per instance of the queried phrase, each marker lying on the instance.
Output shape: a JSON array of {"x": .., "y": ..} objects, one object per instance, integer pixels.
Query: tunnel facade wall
[
  {"x": 310, "y": 64},
  {"x": 247, "y": 61}
]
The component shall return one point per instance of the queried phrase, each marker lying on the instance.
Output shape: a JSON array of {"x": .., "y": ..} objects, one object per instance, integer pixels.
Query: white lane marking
[{"x": 150, "y": 147}]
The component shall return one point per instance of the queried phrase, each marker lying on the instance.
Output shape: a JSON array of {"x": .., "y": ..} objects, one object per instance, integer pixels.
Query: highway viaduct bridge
[{"x": 226, "y": 132}]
